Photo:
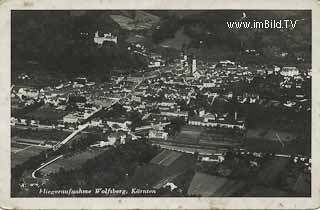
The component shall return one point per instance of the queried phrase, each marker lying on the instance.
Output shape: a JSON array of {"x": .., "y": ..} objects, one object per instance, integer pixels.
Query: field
[
  {"x": 272, "y": 141},
  {"x": 261, "y": 191},
  {"x": 228, "y": 189},
  {"x": 136, "y": 38},
  {"x": 271, "y": 135},
  {"x": 208, "y": 185},
  {"x": 71, "y": 162},
  {"x": 303, "y": 184},
  {"x": 269, "y": 175},
  {"x": 188, "y": 135},
  {"x": 46, "y": 114},
  {"x": 177, "y": 42},
  {"x": 212, "y": 137},
  {"x": 267, "y": 146},
  {"x": 123, "y": 21},
  {"x": 40, "y": 135},
  {"x": 16, "y": 106},
  {"x": 15, "y": 147},
  {"x": 220, "y": 137},
  {"x": 142, "y": 20},
  {"x": 22, "y": 152}
]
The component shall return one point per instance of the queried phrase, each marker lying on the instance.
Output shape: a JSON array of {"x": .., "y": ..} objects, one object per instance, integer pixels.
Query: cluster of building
[{"x": 189, "y": 89}]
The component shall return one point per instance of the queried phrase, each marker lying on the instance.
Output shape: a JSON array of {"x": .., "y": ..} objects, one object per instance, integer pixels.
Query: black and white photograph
[{"x": 161, "y": 103}]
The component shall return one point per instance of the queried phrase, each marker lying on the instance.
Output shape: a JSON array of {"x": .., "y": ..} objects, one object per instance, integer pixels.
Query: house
[
  {"x": 195, "y": 75},
  {"x": 81, "y": 80},
  {"x": 175, "y": 114},
  {"x": 96, "y": 123},
  {"x": 71, "y": 118},
  {"x": 13, "y": 121},
  {"x": 210, "y": 120},
  {"x": 227, "y": 62},
  {"x": 117, "y": 136},
  {"x": 158, "y": 134},
  {"x": 168, "y": 103},
  {"x": 28, "y": 92},
  {"x": 136, "y": 98},
  {"x": 34, "y": 122},
  {"x": 77, "y": 117},
  {"x": 289, "y": 71},
  {"x": 120, "y": 122},
  {"x": 22, "y": 122},
  {"x": 209, "y": 84}
]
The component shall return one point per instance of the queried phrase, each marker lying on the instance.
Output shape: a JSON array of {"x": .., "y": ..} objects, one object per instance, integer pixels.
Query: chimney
[{"x": 235, "y": 116}]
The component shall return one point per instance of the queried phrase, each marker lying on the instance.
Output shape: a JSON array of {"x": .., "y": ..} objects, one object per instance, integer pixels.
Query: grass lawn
[
  {"x": 71, "y": 162},
  {"x": 269, "y": 175},
  {"x": 21, "y": 155},
  {"x": 39, "y": 135},
  {"x": 46, "y": 114}
]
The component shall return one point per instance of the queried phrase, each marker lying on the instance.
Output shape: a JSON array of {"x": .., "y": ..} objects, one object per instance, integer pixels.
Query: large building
[
  {"x": 211, "y": 120},
  {"x": 106, "y": 37},
  {"x": 289, "y": 71}
]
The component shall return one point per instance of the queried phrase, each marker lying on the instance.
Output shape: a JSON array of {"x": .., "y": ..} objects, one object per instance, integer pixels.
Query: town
[{"x": 186, "y": 127}]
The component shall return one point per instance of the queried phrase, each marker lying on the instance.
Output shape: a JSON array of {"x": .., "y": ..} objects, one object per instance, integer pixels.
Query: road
[
  {"x": 73, "y": 134},
  {"x": 44, "y": 165},
  {"x": 68, "y": 138},
  {"x": 279, "y": 139},
  {"x": 20, "y": 150}
]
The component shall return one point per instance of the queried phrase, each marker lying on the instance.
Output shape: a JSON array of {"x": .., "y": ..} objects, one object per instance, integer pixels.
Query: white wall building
[
  {"x": 289, "y": 71},
  {"x": 158, "y": 134},
  {"x": 106, "y": 37},
  {"x": 194, "y": 66}
]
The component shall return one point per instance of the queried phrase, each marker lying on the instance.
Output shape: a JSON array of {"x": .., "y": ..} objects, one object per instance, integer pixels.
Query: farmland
[
  {"x": 37, "y": 136},
  {"x": 22, "y": 152},
  {"x": 271, "y": 135},
  {"x": 205, "y": 185},
  {"x": 142, "y": 20},
  {"x": 71, "y": 162},
  {"x": 46, "y": 114},
  {"x": 271, "y": 146},
  {"x": 261, "y": 191},
  {"x": 271, "y": 170},
  {"x": 208, "y": 185},
  {"x": 189, "y": 135},
  {"x": 192, "y": 135}
]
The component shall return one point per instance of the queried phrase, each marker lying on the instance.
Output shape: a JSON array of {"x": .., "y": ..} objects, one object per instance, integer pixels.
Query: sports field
[{"x": 37, "y": 136}]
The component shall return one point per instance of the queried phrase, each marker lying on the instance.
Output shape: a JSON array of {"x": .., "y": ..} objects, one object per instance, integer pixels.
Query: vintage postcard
[{"x": 159, "y": 104}]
